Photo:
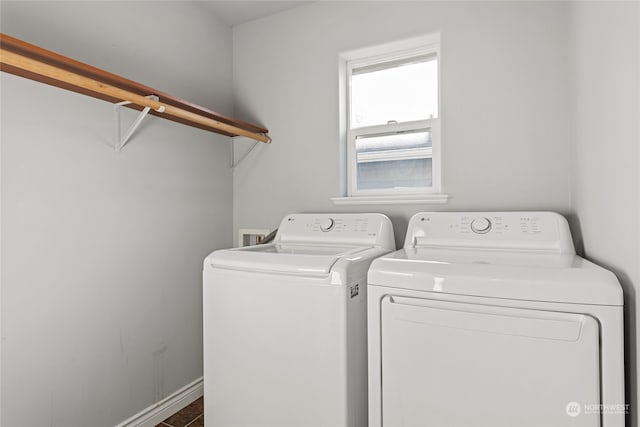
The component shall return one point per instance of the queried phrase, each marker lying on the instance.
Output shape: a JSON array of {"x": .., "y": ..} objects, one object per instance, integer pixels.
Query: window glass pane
[
  {"x": 399, "y": 160},
  {"x": 394, "y": 174},
  {"x": 396, "y": 91}
]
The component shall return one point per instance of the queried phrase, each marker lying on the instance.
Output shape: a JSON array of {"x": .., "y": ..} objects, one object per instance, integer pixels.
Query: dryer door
[{"x": 451, "y": 364}]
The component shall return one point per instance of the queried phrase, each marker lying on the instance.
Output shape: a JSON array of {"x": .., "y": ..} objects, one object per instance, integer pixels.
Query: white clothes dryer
[
  {"x": 285, "y": 324},
  {"x": 491, "y": 320}
]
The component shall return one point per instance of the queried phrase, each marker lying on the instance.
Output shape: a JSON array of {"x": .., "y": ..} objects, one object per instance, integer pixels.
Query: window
[{"x": 392, "y": 119}]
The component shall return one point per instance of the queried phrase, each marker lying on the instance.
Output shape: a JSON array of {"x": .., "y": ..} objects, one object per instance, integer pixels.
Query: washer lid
[
  {"x": 305, "y": 260},
  {"x": 523, "y": 275}
]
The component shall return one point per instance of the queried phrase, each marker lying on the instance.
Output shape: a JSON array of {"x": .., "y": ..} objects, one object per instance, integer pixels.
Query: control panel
[
  {"x": 515, "y": 230},
  {"x": 361, "y": 229}
]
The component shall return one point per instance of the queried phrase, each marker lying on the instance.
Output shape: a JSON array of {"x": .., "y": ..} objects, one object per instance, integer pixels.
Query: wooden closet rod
[{"x": 32, "y": 62}]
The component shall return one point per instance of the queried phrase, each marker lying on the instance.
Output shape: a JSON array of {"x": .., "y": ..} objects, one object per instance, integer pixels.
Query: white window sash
[{"x": 432, "y": 125}]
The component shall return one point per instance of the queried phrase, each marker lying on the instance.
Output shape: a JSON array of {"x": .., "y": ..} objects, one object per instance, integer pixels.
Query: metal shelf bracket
[
  {"x": 121, "y": 141},
  {"x": 235, "y": 162}
]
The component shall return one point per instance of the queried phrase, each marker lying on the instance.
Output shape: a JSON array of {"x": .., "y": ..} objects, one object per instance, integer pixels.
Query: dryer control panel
[{"x": 543, "y": 231}]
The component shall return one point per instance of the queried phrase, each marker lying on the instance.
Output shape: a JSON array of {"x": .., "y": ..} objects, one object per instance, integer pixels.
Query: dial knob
[
  {"x": 327, "y": 224},
  {"x": 481, "y": 225}
]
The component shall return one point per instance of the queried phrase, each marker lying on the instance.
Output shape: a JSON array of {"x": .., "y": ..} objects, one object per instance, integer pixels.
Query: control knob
[
  {"x": 481, "y": 225},
  {"x": 327, "y": 224}
]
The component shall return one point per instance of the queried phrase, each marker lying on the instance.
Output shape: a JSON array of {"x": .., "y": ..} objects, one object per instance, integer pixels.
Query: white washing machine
[
  {"x": 285, "y": 324},
  {"x": 490, "y": 319}
]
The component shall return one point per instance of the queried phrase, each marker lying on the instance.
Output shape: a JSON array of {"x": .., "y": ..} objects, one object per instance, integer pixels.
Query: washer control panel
[
  {"x": 526, "y": 230},
  {"x": 334, "y": 225},
  {"x": 362, "y": 229}
]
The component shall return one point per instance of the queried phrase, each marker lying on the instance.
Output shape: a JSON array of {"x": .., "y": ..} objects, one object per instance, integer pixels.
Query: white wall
[
  {"x": 504, "y": 104},
  {"x": 102, "y": 251},
  {"x": 605, "y": 76}
]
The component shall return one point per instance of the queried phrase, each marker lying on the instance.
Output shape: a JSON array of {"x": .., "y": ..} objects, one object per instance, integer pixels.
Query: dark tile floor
[{"x": 190, "y": 416}]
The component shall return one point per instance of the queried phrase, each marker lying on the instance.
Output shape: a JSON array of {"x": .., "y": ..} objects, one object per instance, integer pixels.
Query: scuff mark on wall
[{"x": 158, "y": 370}]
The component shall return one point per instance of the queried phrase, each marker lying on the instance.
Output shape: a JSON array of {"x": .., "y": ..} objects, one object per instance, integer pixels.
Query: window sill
[{"x": 406, "y": 199}]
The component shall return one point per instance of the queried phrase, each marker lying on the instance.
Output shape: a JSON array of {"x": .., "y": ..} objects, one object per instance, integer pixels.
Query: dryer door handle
[{"x": 489, "y": 319}]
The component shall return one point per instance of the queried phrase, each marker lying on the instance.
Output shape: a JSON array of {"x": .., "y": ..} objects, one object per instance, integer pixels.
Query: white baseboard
[{"x": 156, "y": 413}]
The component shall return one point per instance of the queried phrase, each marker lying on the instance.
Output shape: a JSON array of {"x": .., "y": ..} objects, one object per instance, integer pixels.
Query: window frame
[{"x": 370, "y": 57}]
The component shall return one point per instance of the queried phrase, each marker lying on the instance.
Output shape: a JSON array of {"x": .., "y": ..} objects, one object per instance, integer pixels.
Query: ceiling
[{"x": 241, "y": 11}]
